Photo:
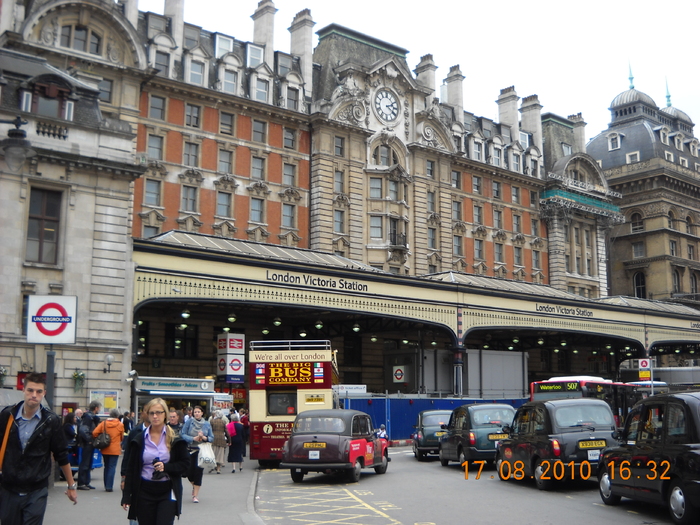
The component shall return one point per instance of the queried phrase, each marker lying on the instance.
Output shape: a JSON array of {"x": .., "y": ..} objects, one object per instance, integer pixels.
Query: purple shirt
[{"x": 152, "y": 451}]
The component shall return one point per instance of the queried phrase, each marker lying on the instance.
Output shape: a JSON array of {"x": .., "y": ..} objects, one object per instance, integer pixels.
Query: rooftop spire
[
  {"x": 631, "y": 77},
  {"x": 668, "y": 95}
]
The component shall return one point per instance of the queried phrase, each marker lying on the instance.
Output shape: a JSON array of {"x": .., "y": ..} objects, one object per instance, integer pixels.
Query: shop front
[{"x": 180, "y": 393}]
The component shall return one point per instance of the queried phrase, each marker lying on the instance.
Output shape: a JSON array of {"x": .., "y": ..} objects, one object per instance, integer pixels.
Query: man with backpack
[{"x": 88, "y": 423}]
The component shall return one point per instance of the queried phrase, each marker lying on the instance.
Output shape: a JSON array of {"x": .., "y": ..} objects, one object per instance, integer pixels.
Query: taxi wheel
[
  {"x": 461, "y": 457},
  {"x": 420, "y": 456},
  {"x": 605, "y": 488},
  {"x": 542, "y": 484},
  {"x": 499, "y": 468},
  {"x": 681, "y": 509},
  {"x": 381, "y": 469},
  {"x": 444, "y": 462},
  {"x": 297, "y": 477},
  {"x": 354, "y": 473}
]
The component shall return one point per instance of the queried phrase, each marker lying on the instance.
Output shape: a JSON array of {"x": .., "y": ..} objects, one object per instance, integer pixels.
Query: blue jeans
[
  {"x": 110, "y": 465},
  {"x": 84, "y": 474}
]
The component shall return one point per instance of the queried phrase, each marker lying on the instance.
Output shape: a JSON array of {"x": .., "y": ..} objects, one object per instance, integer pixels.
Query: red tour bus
[{"x": 286, "y": 377}]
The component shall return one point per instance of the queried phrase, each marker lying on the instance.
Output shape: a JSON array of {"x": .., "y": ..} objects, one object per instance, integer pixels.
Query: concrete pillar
[
  {"x": 508, "y": 111},
  {"x": 579, "y": 133},
  {"x": 264, "y": 29},
  {"x": 175, "y": 10},
  {"x": 455, "y": 92},
  {"x": 302, "y": 45},
  {"x": 531, "y": 119}
]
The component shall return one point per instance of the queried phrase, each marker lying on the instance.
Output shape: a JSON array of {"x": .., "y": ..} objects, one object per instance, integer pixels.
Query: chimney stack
[
  {"x": 302, "y": 45},
  {"x": 455, "y": 92},
  {"x": 175, "y": 10},
  {"x": 425, "y": 73},
  {"x": 131, "y": 11},
  {"x": 579, "y": 133},
  {"x": 531, "y": 118},
  {"x": 264, "y": 29},
  {"x": 508, "y": 111}
]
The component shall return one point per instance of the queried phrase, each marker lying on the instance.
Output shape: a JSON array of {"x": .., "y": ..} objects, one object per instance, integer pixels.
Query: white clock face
[{"x": 386, "y": 105}]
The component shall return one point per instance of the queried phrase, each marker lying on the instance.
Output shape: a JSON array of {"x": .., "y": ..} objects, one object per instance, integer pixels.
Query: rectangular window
[
  {"x": 157, "y": 108},
  {"x": 535, "y": 227},
  {"x": 682, "y": 160},
  {"x": 181, "y": 343},
  {"x": 478, "y": 249},
  {"x": 498, "y": 252},
  {"x": 191, "y": 37},
  {"x": 339, "y": 182},
  {"x": 691, "y": 252},
  {"x": 578, "y": 265},
  {"x": 432, "y": 268},
  {"x": 189, "y": 198},
  {"x": 476, "y": 185},
  {"x": 338, "y": 221},
  {"x": 589, "y": 266},
  {"x": 223, "y": 204},
  {"x": 431, "y": 201},
  {"x": 256, "y": 210},
  {"x": 261, "y": 89},
  {"x": 456, "y": 211},
  {"x": 632, "y": 157},
  {"x": 257, "y": 168},
  {"x": 457, "y": 248},
  {"x": 432, "y": 238},
  {"x": 673, "y": 248},
  {"x": 376, "y": 230},
  {"x": 375, "y": 188},
  {"x": 567, "y": 262},
  {"x": 290, "y": 138},
  {"x": 478, "y": 215},
  {"x": 42, "y": 228},
  {"x": 339, "y": 147},
  {"x": 225, "y": 161},
  {"x": 534, "y": 170},
  {"x": 292, "y": 99},
  {"x": 534, "y": 199},
  {"x": 226, "y": 123},
  {"x": 197, "y": 73},
  {"x": 393, "y": 190},
  {"x": 535, "y": 259},
  {"x": 669, "y": 156},
  {"x": 224, "y": 45},
  {"x": 496, "y": 156},
  {"x": 496, "y": 189},
  {"x": 517, "y": 224},
  {"x": 255, "y": 55},
  {"x": 289, "y": 174},
  {"x": 516, "y": 162},
  {"x": 151, "y": 194},
  {"x": 259, "y": 131},
  {"x": 498, "y": 219},
  {"x": 229, "y": 82},
  {"x": 163, "y": 64},
  {"x": 566, "y": 149},
  {"x": 567, "y": 235},
  {"x": 155, "y": 147},
  {"x": 150, "y": 231},
  {"x": 288, "y": 212},
  {"x": 457, "y": 180},
  {"x": 477, "y": 151},
  {"x": 192, "y": 115},
  {"x": 284, "y": 64},
  {"x": 430, "y": 169},
  {"x": 190, "y": 156},
  {"x": 577, "y": 236},
  {"x": 105, "y": 87},
  {"x": 515, "y": 194},
  {"x": 587, "y": 237},
  {"x": 517, "y": 255}
]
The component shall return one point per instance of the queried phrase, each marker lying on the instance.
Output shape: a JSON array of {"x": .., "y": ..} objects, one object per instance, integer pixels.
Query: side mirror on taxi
[
  {"x": 507, "y": 429},
  {"x": 443, "y": 426},
  {"x": 617, "y": 434}
]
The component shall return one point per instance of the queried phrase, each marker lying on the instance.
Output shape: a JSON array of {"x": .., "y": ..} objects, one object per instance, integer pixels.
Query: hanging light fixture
[
  {"x": 510, "y": 347},
  {"x": 226, "y": 329},
  {"x": 319, "y": 324},
  {"x": 433, "y": 343},
  {"x": 373, "y": 338},
  {"x": 277, "y": 321},
  {"x": 575, "y": 351},
  {"x": 183, "y": 326},
  {"x": 540, "y": 341},
  {"x": 405, "y": 341},
  {"x": 356, "y": 328},
  {"x": 595, "y": 352},
  {"x": 265, "y": 330},
  {"x": 556, "y": 350},
  {"x": 185, "y": 314},
  {"x": 232, "y": 317},
  {"x": 485, "y": 346},
  {"x": 563, "y": 342},
  {"x": 608, "y": 346},
  {"x": 516, "y": 340},
  {"x": 302, "y": 333}
]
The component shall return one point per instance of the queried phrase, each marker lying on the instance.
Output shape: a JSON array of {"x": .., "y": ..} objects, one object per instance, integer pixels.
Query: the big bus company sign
[{"x": 51, "y": 319}]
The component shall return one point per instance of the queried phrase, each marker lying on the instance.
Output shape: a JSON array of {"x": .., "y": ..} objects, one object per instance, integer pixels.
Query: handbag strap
[{"x": 5, "y": 438}]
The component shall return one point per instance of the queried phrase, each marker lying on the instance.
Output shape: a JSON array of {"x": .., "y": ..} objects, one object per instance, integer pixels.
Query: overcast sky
[{"x": 574, "y": 55}]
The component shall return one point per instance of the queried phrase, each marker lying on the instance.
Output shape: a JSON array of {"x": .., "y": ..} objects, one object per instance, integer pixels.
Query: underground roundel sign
[
  {"x": 399, "y": 374},
  {"x": 51, "y": 319}
]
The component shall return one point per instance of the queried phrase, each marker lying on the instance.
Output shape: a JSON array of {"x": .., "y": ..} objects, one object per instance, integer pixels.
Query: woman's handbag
[
  {"x": 206, "y": 456},
  {"x": 102, "y": 440}
]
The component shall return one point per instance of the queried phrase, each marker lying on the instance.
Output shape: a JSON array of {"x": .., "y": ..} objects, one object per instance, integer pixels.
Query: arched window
[
  {"x": 385, "y": 156},
  {"x": 81, "y": 38},
  {"x": 637, "y": 223},
  {"x": 676, "y": 281},
  {"x": 671, "y": 220},
  {"x": 640, "y": 286},
  {"x": 693, "y": 283},
  {"x": 689, "y": 227}
]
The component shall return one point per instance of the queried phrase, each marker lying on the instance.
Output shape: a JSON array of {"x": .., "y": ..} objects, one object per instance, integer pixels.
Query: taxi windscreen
[
  {"x": 482, "y": 417},
  {"x": 580, "y": 416},
  {"x": 322, "y": 425},
  {"x": 435, "y": 420}
]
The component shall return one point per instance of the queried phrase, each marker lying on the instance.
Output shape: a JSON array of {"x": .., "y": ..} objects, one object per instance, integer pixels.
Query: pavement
[{"x": 222, "y": 496}]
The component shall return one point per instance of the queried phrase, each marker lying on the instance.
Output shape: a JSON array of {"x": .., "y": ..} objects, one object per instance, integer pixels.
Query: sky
[{"x": 576, "y": 59}]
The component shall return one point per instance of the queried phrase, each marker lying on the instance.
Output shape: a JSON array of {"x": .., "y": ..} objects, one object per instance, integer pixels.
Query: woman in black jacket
[{"x": 157, "y": 461}]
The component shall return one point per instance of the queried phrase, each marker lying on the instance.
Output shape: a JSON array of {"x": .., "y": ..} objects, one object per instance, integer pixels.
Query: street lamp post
[{"x": 16, "y": 148}]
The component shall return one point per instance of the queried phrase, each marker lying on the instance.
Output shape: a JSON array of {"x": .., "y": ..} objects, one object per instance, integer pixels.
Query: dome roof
[
  {"x": 677, "y": 113},
  {"x": 630, "y": 96}
]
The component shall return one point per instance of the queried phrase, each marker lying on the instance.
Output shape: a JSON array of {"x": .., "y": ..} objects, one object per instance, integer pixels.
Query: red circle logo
[
  {"x": 235, "y": 364},
  {"x": 51, "y": 306},
  {"x": 222, "y": 364}
]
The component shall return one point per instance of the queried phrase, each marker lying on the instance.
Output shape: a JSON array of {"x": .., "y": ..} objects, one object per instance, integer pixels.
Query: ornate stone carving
[
  {"x": 113, "y": 52},
  {"x": 49, "y": 32},
  {"x": 191, "y": 176},
  {"x": 226, "y": 182},
  {"x": 501, "y": 235},
  {"x": 434, "y": 218},
  {"x": 257, "y": 233},
  {"x": 290, "y": 195},
  {"x": 430, "y": 138},
  {"x": 341, "y": 200},
  {"x": 156, "y": 169},
  {"x": 224, "y": 229},
  {"x": 518, "y": 238},
  {"x": 537, "y": 242},
  {"x": 259, "y": 188},
  {"x": 189, "y": 223},
  {"x": 479, "y": 231},
  {"x": 354, "y": 113},
  {"x": 459, "y": 227}
]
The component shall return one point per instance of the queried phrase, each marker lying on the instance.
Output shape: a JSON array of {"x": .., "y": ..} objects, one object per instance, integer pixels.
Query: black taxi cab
[
  {"x": 658, "y": 457},
  {"x": 556, "y": 440},
  {"x": 334, "y": 441}
]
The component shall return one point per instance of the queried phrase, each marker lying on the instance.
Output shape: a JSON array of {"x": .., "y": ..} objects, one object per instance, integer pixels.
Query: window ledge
[{"x": 43, "y": 265}]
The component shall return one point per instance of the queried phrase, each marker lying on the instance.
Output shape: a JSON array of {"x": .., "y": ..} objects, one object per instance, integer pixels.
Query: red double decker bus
[{"x": 286, "y": 377}]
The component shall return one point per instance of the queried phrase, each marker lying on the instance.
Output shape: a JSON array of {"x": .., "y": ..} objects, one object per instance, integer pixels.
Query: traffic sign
[{"x": 52, "y": 319}]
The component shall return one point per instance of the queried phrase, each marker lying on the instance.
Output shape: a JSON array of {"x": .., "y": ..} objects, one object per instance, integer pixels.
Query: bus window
[{"x": 281, "y": 403}]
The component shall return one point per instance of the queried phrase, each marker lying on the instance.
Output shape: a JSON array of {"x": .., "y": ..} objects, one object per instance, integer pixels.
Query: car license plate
[
  {"x": 593, "y": 455},
  {"x": 438, "y": 434},
  {"x": 314, "y": 454},
  {"x": 496, "y": 437},
  {"x": 592, "y": 444},
  {"x": 314, "y": 445}
]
